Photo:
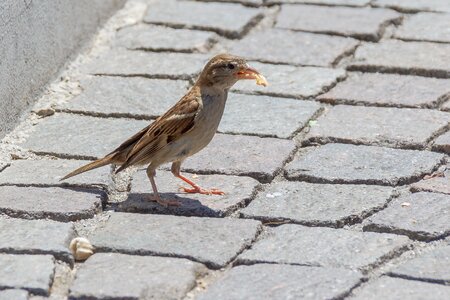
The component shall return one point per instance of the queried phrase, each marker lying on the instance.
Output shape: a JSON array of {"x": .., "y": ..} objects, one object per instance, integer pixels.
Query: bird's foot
[
  {"x": 199, "y": 190},
  {"x": 164, "y": 202}
]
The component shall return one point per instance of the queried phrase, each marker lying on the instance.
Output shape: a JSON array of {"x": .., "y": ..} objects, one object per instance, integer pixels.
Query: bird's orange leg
[
  {"x": 156, "y": 197},
  {"x": 195, "y": 188}
]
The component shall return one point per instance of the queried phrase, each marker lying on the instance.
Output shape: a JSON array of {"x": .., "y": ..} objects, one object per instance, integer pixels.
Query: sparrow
[{"x": 184, "y": 129}]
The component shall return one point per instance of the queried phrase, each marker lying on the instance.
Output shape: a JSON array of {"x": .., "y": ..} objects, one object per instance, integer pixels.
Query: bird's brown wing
[{"x": 167, "y": 128}]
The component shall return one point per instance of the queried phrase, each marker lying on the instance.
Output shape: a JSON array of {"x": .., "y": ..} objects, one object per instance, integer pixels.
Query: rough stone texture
[
  {"x": 361, "y": 23},
  {"x": 126, "y": 97},
  {"x": 241, "y": 155},
  {"x": 160, "y": 38},
  {"x": 36, "y": 237},
  {"x": 3, "y": 166},
  {"x": 431, "y": 27},
  {"x": 415, "y": 5},
  {"x": 13, "y": 294},
  {"x": 30, "y": 272},
  {"x": 425, "y": 218},
  {"x": 276, "y": 46},
  {"x": 323, "y": 2},
  {"x": 49, "y": 172},
  {"x": 398, "y": 127},
  {"x": 229, "y": 19},
  {"x": 53, "y": 203},
  {"x": 238, "y": 190},
  {"x": 317, "y": 204},
  {"x": 442, "y": 143},
  {"x": 246, "y": 114},
  {"x": 148, "y": 64},
  {"x": 399, "y": 289},
  {"x": 431, "y": 266},
  {"x": 81, "y": 136},
  {"x": 413, "y": 58},
  {"x": 446, "y": 106},
  {"x": 255, "y": 3},
  {"x": 341, "y": 163},
  {"x": 268, "y": 281},
  {"x": 318, "y": 246},
  {"x": 101, "y": 277},
  {"x": 438, "y": 184},
  {"x": 166, "y": 235},
  {"x": 377, "y": 89},
  {"x": 292, "y": 82}
]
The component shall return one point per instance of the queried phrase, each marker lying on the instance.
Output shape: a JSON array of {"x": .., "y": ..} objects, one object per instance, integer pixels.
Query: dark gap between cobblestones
[
  {"x": 429, "y": 280},
  {"x": 400, "y": 70}
]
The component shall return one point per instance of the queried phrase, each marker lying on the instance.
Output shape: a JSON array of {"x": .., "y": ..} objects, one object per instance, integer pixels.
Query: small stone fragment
[{"x": 81, "y": 248}]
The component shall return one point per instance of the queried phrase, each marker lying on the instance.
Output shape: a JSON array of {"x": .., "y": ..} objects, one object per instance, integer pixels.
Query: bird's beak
[{"x": 248, "y": 72}]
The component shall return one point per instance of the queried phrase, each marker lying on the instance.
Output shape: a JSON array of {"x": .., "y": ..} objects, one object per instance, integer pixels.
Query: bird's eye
[{"x": 230, "y": 66}]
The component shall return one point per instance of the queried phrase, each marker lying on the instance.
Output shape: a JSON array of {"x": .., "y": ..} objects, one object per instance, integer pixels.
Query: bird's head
[{"x": 224, "y": 70}]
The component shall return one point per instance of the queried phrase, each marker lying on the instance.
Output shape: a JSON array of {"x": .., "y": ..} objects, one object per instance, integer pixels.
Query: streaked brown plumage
[{"x": 184, "y": 129}]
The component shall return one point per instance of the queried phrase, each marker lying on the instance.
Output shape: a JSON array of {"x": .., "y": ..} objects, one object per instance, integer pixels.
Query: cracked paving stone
[
  {"x": 412, "y": 58},
  {"x": 323, "y": 2},
  {"x": 423, "y": 216},
  {"x": 296, "y": 244},
  {"x": 161, "y": 38},
  {"x": 23, "y": 173},
  {"x": 291, "y": 81},
  {"x": 399, "y": 289},
  {"x": 33, "y": 273},
  {"x": 378, "y": 125},
  {"x": 260, "y": 158},
  {"x": 267, "y": 281},
  {"x": 102, "y": 277},
  {"x": 431, "y": 267},
  {"x": 36, "y": 237},
  {"x": 3, "y": 166},
  {"x": 126, "y": 97},
  {"x": 184, "y": 237},
  {"x": 60, "y": 204},
  {"x": 317, "y": 204},
  {"x": 247, "y": 114},
  {"x": 377, "y": 89},
  {"x": 438, "y": 184},
  {"x": 432, "y": 27},
  {"x": 80, "y": 136},
  {"x": 360, "y": 23},
  {"x": 15, "y": 294},
  {"x": 121, "y": 62},
  {"x": 230, "y": 20},
  {"x": 442, "y": 143},
  {"x": 411, "y": 6},
  {"x": 342, "y": 163},
  {"x": 238, "y": 190},
  {"x": 289, "y": 47}
]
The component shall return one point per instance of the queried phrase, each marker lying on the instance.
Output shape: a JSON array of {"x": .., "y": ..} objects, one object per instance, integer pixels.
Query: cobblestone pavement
[{"x": 337, "y": 175}]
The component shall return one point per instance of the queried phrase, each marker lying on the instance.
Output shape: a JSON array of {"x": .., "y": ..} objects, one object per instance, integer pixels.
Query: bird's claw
[
  {"x": 202, "y": 191},
  {"x": 164, "y": 202}
]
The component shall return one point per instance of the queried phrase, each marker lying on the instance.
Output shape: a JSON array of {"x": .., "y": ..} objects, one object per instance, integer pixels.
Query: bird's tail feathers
[{"x": 90, "y": 166}]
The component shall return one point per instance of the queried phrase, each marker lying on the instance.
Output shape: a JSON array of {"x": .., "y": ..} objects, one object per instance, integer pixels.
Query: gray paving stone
[
  {"x": 3, "y": 165},
  {"x": 238, "y": 191},
  {"x": 267, "y": 281},
  {"x": 260, "y": 158},
  {"x": 442, "y": 143},
  {"x": 378, "y": 89},
  {"x": 414, "y": 5},
  {"x": 253, "y": 3},
  {"x": 446, "y": 106},
  {"x": 431, "y": 266},
  {"x": 398, "y": 289},
  {"x": 397, "y": 127},
  {"x": 230, "y": 20},
  {"x": 318, "y": 246},
  {"x": 36, "y": 237},
  {"x": 323, "y": 2},
  {"x": 438, "y": 184},
  {"x": 81, "y": 136},
  {"x": 102, "y": 277},
  {"x": 317, "y": 204},
  {"x": 277, "y": 46},
  {"x": 394, "y": 56},
  {"x": 30, "y": 272},
  {"x": 161, "y": 38},
  {"x": 291, "y": 81},
  {"x": 176, "y": 236},
  {"x": 247, "y": 114},
  {"x": 121, "y": 62},
  {"x": 48, "y": 173},
  {"x": 361, "y": 23},
  {"x": 126, "y": 97},
  {"x": 341, "y": 163},
  {"x": 53, "y": 203},
  {"x": 15, "y": 294},
  {"x": 431, "y": 27},
  {"x": 425, "y": 218}
]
